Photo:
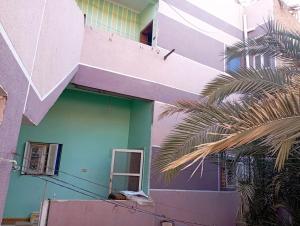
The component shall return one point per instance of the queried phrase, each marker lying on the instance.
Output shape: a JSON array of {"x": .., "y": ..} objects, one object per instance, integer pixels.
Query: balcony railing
[{"x": 114, "y": 17}]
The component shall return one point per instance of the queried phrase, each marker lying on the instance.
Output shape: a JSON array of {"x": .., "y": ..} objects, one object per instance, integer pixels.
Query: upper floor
[
  {"x": 49, "y": 39},
  {"x": 168, "y": 38}
]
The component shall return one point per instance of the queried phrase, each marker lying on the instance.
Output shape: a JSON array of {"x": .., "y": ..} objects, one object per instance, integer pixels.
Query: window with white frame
[
  {"x": 126, "y": 170},
  {"x": 41, "y": 158},
  {"x": 261, "y": 61}
]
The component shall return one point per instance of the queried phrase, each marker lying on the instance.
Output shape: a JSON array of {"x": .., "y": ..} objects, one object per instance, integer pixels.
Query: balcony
[{"x": 132, "y": 19}]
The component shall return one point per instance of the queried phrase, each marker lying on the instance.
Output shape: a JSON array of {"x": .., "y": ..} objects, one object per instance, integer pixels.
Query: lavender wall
[
  {"x": 111, "y": 53},
  {"x": 183, "y": 181},
  {"x": 95, "y": 213},
  {"x": 21, "y": 20},
  {"x": 15, "y": 85},
  {"x": 203, "y": 208},
  {"x": 34, "y": 102},
  {"x": 207, "y": 17},
  {"x": 190, "y": 43},
  {"x": 47, "y": 37},
  {"x": 59, "y": 44},
  {"x": 113, "y": 82},
  {"x": 160, "y": 129},
  {"x": 258, "y": 12},
  {"x": 31, "y": 49}
]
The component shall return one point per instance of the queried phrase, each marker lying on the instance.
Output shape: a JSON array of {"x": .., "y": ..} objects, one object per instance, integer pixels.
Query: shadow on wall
[{"x": 3, "y": 98}]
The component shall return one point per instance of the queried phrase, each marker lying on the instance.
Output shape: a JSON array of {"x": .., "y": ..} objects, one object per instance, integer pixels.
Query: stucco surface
[
  {"x": 162, "y": 126},
  {"x": 59, "y": 45},
  {"x": 144, "y": 62},
  {"x": 95, "y": 213},
  {"x": 34, "y": 102},
  {"x": 129, "y": 86},
  {"x": 201, "y": 207},
  {"x": 23, "y": 26},
  {"x": 211, "y": 16},
  {"x": 14, "y": 83},
  {"x": 207, "y": 180},
  {"x": 259, "y": 12}
]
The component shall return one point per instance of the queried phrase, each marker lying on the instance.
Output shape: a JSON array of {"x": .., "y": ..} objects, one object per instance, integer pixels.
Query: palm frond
[
  {"x": 183, "y": 106},
  {"x": 246, "y": 192},
  {"x": 250, "y": 82},
  {"x": 273, "y": 119},
  {"x": 276, "y": 42}
]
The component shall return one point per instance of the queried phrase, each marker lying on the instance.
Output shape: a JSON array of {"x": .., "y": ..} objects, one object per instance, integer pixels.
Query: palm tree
[
  {"x": 267, "y": 109},
  {"x": 271, "y": 197}
]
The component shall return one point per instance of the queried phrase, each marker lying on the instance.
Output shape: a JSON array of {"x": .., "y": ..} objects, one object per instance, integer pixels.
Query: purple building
[{"x": 82, "y": 85}]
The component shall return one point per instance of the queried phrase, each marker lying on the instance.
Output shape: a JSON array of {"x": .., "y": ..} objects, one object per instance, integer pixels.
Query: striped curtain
[{"x": 111, "y": 17}]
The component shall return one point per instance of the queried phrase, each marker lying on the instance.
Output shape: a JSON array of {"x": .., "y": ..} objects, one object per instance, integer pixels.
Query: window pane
[
  {"x": 257, "y": 60},
  {"x": 37, "y": 159},
  {"x": 267, "y": 61},
  {"x": 125, "y": 183},
  {"x": 127, "y": 162},
  {"x": 233, "y": 64}
]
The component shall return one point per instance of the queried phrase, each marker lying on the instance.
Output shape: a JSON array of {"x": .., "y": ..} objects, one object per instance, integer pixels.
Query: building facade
[{"x": 82, "y": 85}]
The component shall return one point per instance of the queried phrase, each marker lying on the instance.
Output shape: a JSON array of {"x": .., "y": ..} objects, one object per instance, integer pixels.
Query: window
[
  {"x": 126, "y": 170},
  {"x": 41, "y": 159},
  {"x": 260, "y": 61},
  {"x": 233, "y": 65},
  {"x": 146, "y": 34},
  {"x": 233, "y": 172},
  {"x": 227, "y": 171}
]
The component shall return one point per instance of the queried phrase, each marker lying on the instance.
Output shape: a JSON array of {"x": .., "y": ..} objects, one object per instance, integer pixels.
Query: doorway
[{"x": 147, "y": 34}]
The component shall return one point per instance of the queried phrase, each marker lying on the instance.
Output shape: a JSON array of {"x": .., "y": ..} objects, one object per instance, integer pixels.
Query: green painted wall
[
  {"x": 140, "y": 133},
  {"x": 111, "y": 17},
  {"x": 89, "y": 126}
]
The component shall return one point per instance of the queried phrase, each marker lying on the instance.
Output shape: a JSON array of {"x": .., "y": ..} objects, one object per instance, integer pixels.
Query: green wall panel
[
  {"x": 89, "y": 126},
  {"x": 111, "y": 17},
  {"x": 140, "y": 134}
]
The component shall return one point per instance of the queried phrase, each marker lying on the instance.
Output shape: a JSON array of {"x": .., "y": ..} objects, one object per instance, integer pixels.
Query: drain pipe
[{"x": 245, "y": 29}]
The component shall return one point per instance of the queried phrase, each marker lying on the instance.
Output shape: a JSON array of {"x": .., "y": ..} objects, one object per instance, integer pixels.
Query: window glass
[
  {"x": 36, "y": 158},
  {"x": 233, "y": 64},
  {"x": 126, "y": 170},
  {"x": 127, "y": 162},
  {"x": 267, "y": 61},
  {"x": 233, "y": 172},
  {"x": 125, "y": 183},
  {"x": 257, "y": 61}
]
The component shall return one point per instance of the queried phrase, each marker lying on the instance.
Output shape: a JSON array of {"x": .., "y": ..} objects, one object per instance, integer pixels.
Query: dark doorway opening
[{"x": 146, "y": 34}]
